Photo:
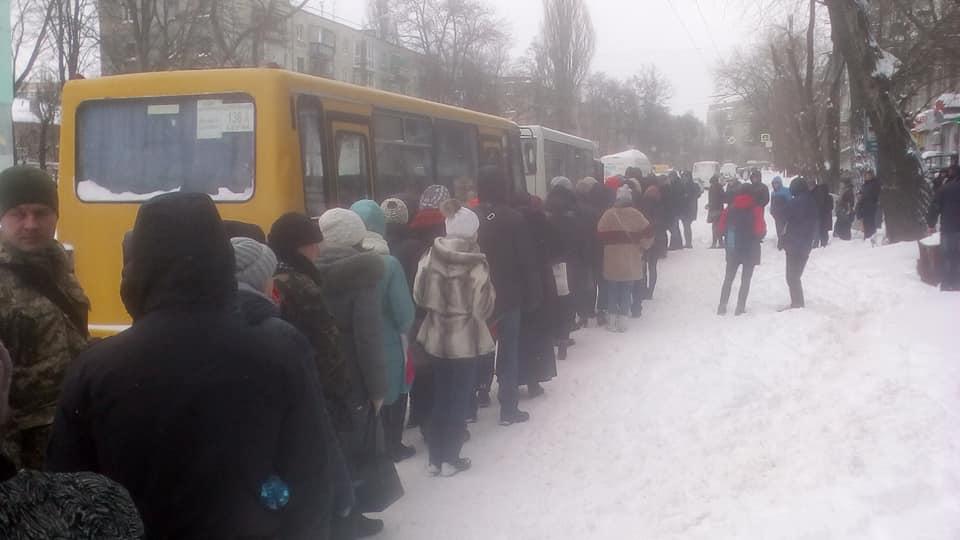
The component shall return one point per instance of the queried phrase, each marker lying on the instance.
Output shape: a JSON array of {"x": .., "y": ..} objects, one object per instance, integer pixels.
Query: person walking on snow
[
  {"x": 715, "y": 207},
  {"x": 688, "y": 214},
  {"x": 946, "y": 209},
  {"x": 778, "y": 204},
  {"x": 625, "y": 234},
  {"x": 799, "y": 231},
  {"x": 759, "y": 191},
  {"x": 821, "y": 195},
  {"x": 743, "y": 224},
  {"x": 43, "y": 309},
  {"x": 398, "y": 315},
  {"x": 868, "y": 207},
  {"x": 845, "y": 212},
  {"x": 454, "y": 287}
]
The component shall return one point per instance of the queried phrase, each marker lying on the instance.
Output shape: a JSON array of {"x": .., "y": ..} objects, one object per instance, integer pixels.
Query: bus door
[{"x": 351, "y": 161}]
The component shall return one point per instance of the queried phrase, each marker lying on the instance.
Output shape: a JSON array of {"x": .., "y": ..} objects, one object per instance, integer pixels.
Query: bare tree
[
  {"x": 563, "y": 54},
  {"x": 380, "y": 19},
  {"x": 73, "y": 30},
  {"x": 870, "y": 70},
  {"x": 464, "y": 44},
  {"x": 29, "y": 33}
]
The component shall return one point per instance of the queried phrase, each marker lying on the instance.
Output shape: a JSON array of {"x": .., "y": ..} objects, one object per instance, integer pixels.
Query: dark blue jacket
[
  {"x": 801, "y": 214},
  {"x": 946, "y": 208}
]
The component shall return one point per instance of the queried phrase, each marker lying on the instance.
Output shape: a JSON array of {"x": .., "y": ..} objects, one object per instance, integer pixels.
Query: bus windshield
[{"x": 134, "y": 149}]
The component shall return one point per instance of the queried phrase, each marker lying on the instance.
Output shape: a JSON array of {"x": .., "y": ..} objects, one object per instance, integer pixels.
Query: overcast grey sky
[{"x": 684, "y": 38}]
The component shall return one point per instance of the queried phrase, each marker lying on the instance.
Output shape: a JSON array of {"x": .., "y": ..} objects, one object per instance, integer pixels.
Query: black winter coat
[
  {"x": 507, "y": 243},
  {"x": 760, "y": 193},
  {"x": 946, "y": 207},
  {"x": 869, "y": 202},
  {"x": 715, "y": 198},
  {"x": 691, "y": 198},
  {"x": 801, "y": 216},
  {"x": 194, "y": 408},
  {"x": 821, "y": 194}
]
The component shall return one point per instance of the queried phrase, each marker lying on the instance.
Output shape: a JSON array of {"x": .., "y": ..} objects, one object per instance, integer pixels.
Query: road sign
[
  {"x": 764, "y": 137},
  {"x": 731, "y": 140}
]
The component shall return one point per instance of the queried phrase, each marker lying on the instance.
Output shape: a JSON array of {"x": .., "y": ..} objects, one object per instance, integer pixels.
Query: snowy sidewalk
[{"x": 838, "y": 421}]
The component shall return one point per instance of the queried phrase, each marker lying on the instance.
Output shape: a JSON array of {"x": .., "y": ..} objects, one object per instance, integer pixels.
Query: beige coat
[
  {"x": 453, "y": 285},
  {"x": 625, "y": 234}
]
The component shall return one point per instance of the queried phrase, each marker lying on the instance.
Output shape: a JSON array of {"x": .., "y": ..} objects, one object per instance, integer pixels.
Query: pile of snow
[
  {"x": 91, "y": 191},
  {"x": 834, "y": 422}
]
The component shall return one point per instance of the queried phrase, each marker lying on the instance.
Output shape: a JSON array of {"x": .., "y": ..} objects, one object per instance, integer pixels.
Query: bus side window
[
  {"x": 457, "y": 158},
  {"x": 311, "y": 150},
  {"x": 352, "y": 175}
]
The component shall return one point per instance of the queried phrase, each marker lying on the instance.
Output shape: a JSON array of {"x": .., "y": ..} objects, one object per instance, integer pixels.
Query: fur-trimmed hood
[
  {"x": 453, "y": 257},
  {"x": 344, "y": 269}
]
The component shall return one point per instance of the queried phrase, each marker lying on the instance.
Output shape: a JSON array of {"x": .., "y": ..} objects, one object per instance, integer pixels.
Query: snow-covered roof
[
  {"x": 887, "y": 65},
  {"x": 21, "y": 112}
]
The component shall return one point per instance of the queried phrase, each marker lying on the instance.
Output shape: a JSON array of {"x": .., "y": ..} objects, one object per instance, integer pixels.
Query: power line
[
  {"x": 716, "y": 49},
  {"x": 687, "y": 31}
]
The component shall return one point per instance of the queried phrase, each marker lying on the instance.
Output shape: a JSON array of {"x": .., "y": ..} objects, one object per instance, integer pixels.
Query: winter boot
[
  {"x": 401, "y": 452},
  {"x": 636, "y": 311},
  {"x": 739, "y": 311},
  {"x": 483, "y": 398},
  {"x": 621, "y": 323},
  {"x": 454, "y": 467},
  {"x": 433, "y": 469},
  {"x": 722, "y": 310},
  {"x": 514, "y": 417},
  {"x": 367, "y": 527}
]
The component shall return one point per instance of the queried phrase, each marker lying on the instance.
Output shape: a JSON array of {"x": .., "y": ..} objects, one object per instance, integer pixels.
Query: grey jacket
[
  {"x": 453, "y": 285},
  {"x": 350, "y": 281}
]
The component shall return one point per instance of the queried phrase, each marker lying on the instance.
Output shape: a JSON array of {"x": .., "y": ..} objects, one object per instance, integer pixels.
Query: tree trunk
[{"x": 905, "y": 194}]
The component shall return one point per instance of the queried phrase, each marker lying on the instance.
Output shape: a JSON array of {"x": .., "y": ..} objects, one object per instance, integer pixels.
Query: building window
[
  {"x": 300, "y": 64},
  {"x": 125, "y": 13},
  {"x": 328, "y": 37},
  {"x": 299, "y": 32}
]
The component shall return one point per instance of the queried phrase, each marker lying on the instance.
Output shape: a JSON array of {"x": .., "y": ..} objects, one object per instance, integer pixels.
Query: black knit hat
[
  {"x": 27, "y": 185},
  {"x": 292, "y": 231}
]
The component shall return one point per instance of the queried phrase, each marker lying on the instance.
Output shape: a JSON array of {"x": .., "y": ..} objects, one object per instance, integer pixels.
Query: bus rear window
[{"x": 135, "y": 149}]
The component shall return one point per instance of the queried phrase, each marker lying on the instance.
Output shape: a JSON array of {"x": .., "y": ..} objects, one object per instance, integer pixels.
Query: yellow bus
[{"x": 261, "y": 142}]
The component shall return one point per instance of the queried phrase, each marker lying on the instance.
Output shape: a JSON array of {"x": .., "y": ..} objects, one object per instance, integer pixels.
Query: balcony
[{"x": 322, "y": 50}]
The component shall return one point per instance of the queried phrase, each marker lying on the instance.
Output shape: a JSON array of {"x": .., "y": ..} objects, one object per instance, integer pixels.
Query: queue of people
[{"x": 262, "y": 388}]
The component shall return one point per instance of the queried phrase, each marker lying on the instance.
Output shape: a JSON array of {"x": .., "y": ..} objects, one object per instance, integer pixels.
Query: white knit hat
[
  {"x": 342, "y": 228},
  {"x": 464, "y": 223},
  {"x": 256, "y": 263}
]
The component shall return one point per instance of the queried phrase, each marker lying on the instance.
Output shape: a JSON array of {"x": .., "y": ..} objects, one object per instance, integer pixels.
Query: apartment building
[{"x": 301, "y": 41}]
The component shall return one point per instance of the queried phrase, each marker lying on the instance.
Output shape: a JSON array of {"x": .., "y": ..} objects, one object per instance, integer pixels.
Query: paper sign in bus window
[{"x": 214, "y": 118}]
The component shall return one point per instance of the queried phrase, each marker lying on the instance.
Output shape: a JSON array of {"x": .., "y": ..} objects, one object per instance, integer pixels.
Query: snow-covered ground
[{"x": 835, "y": 422}]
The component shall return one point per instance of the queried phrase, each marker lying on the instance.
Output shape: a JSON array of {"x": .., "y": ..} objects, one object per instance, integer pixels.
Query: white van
[
  {"x": 729, "y": 170},
  {"x": 548, "y": 153},
  {"x": 703, "y": 171},
  {"x": 615, "y": 164}
]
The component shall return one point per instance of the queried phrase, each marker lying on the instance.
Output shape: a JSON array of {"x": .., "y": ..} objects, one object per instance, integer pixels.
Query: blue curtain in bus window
[{"x": 130, "y": 149}]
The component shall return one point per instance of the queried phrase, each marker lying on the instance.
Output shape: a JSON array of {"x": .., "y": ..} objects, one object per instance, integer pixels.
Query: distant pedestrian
[
  {"x": 743, "y": 224},
  {"x": 454, "y": 287},
  {"x": 715, "y": 207},
  {"x": 625, "y": 233},
  {"x": 673, "y": 199},
  {"x": 778, "y": 204},
  {"x": 652, "y": 208},
  {"x": 690, "y": 207},
  {"x": 823, "y": 198},
  {"x": 845, "y": 212},
  {"x": 868, "y": 207},
  {"x": 759, "y": 191},
  {"x": 946, "y": 209},
  {"x": 797, "y": 240}
]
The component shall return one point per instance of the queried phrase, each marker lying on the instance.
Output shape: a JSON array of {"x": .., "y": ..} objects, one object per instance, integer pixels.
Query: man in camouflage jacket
[{"x": 43, "y": 310}]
